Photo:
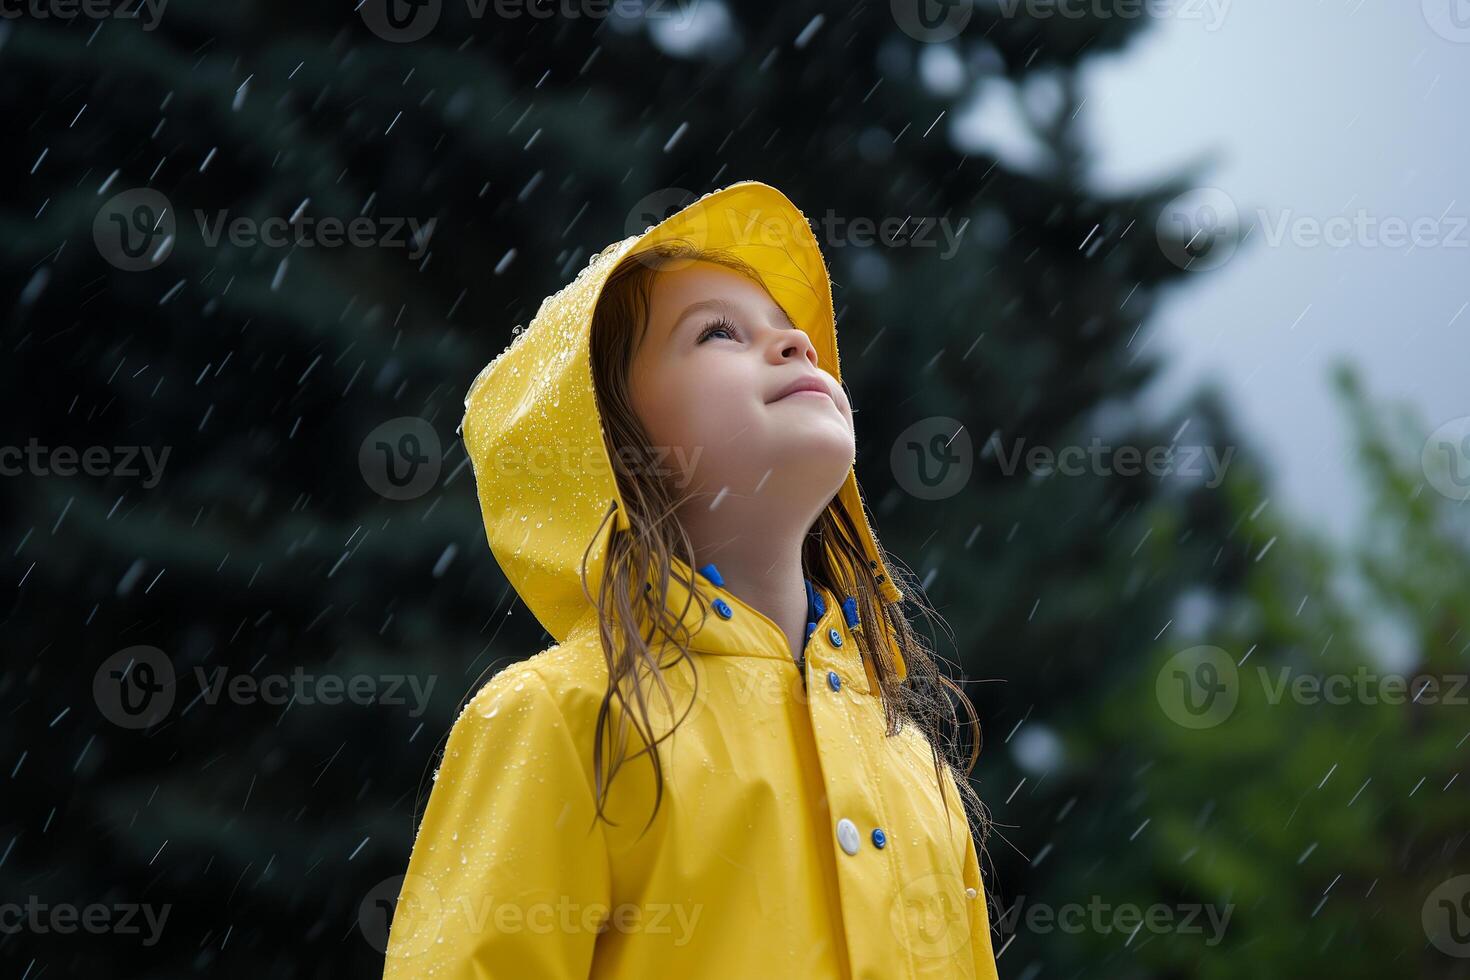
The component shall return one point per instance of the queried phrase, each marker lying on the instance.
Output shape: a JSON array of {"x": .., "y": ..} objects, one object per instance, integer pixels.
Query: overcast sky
[{"x": 1315, "y": 110}]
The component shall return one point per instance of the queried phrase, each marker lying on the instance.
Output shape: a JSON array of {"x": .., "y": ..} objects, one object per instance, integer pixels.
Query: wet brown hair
[{"x": 635, "y": 622}]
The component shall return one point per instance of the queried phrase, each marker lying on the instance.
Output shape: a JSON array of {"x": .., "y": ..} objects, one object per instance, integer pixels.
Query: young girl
[{"x": 729, "y": 764}]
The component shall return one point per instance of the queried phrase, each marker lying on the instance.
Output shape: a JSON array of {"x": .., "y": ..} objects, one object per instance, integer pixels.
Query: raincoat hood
[{"x": 534, "y": 434}]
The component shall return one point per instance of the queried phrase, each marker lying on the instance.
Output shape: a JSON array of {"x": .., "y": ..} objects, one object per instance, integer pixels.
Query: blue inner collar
[{"x": 814, "y": 609}]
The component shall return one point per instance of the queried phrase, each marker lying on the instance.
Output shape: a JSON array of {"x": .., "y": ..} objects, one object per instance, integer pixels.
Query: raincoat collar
[
  {"x": 534, "y": 435},
  {"x": 816, "y": 601}
]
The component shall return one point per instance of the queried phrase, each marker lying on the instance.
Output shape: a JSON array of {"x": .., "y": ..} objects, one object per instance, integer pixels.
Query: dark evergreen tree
[{"x": 282, "y": 381}]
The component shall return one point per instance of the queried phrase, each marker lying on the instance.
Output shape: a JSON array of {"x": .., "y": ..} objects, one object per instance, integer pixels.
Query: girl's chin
[{"x": 816, "y": 458}]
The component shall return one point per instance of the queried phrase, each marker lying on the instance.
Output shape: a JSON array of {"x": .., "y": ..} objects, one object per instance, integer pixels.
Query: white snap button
[
  {"x": 847, "y": 835},
  {"x": 970, "y": 893}
]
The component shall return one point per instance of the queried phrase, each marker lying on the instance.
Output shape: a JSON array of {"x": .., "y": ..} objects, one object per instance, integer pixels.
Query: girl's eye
[{"x": 721, "y": 325}]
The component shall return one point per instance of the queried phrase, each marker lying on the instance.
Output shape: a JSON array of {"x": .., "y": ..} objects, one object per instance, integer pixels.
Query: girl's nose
[{"x": 792, "y": 343}]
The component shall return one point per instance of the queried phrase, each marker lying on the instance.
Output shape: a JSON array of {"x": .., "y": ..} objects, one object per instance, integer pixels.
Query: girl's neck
[{"x": 764, "y": 569}]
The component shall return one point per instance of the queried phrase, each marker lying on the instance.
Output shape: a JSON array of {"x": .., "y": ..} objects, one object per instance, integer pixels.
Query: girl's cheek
[{"x": 844, "y": 404}]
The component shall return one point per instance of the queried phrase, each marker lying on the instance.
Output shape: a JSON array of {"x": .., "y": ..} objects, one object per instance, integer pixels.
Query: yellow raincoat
[{"x": 793, "y": 839}]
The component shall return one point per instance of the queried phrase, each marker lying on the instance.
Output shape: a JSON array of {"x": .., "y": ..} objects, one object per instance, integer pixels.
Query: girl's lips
[{"x": 806, "y": 382}]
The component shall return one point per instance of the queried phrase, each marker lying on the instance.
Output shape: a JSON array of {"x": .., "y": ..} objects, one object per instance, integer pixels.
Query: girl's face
[{"x": 708, "y": 382}]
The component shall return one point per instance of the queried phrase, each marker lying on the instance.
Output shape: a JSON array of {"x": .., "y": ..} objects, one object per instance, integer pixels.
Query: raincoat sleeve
[{"x": 508, "y": 877}]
